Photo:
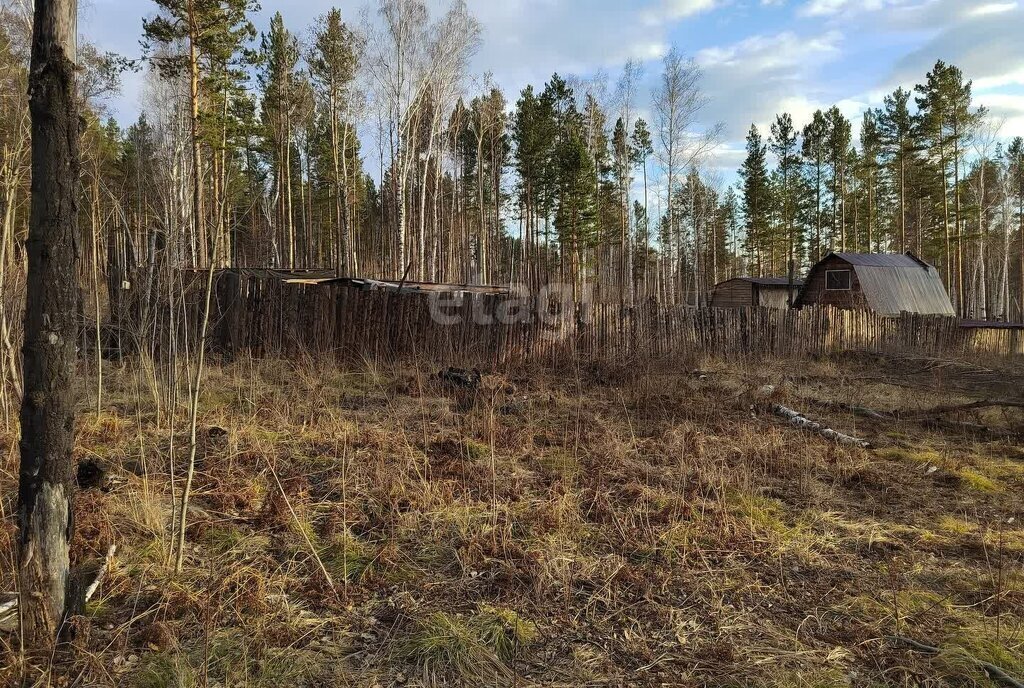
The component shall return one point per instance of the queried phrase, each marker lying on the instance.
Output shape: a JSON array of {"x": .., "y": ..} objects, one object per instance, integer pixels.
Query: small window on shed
[{"x": 838, "y": 280}]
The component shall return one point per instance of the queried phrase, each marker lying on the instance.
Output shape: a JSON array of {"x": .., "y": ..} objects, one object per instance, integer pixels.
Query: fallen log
[
  {"x": 927, "y": 417},
  {"x": 972, "y": 406},
  {"x": 799, "y": 420}
]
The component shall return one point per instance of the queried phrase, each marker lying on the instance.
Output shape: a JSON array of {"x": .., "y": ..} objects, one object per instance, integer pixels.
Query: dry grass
[{"x": 613, "y": 526}]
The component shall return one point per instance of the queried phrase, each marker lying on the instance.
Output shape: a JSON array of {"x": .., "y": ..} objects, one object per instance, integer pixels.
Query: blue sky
[{"x": 759, "y": 57}]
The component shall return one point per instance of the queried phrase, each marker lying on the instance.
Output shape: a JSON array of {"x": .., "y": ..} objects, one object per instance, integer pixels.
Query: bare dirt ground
[{"x": 625, "y": 525}]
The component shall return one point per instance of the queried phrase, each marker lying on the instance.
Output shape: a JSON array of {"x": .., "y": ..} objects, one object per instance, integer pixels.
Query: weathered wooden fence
[{"x": 268, "y": 317}]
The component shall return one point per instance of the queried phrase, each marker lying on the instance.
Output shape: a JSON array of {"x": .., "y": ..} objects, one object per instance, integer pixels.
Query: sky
[{"x": 758, "y": 57}]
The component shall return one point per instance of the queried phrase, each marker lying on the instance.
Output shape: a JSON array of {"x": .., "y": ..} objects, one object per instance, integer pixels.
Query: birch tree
[
  {"x": 678, "y": 101},
  {"x": 398, "y": 63}
]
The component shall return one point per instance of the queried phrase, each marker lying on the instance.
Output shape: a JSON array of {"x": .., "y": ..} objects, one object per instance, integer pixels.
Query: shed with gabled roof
[
  {"x": 742, "y": 292},
  {"x": 882, "y": 282}
]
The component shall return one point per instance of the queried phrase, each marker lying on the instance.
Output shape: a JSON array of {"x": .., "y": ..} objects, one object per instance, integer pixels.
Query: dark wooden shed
[
  {"x": 885, "y": 283},
  {"x": 740, "y": 292}
]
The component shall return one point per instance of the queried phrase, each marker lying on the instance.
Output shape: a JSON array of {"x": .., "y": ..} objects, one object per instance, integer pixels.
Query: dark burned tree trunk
[{"x": 47, "y": 411}]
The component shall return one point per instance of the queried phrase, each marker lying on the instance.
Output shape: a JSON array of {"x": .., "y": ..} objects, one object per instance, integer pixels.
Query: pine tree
[
  {"x": 557, "y": 119},
  {"x": 840, "y": 134},
  {"x": 623, "y": 179},
  {"x": 871, "y": 150},
  {"x": 576, "y": 212},
  {"x": 783, "y": 145},
  {"x": 814, "y": 153},
  {"x": 214, "y": 33},
  {"x": 1015, "y": 170},
  {"x": 933, "y": 106},
  {"x": 333, "y": 59},
  {"x": 277, "y": 80},
  {"x": 896, "y": 134},
  {"x": 756, "y": 198},
  {"x": 642, "y": 243},
  {"x": 532, "y": 135},
  {"x": 641, "y": 149},
  {"x": 593, "y": 122},
  {"x": 729, "y": 212}
]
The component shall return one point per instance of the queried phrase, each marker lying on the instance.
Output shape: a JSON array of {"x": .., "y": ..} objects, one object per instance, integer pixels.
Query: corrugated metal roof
[
  {"x": 914, "y": 289},
  {"x": 892, "y": 283},
  {"x": 882, "y": 260}
]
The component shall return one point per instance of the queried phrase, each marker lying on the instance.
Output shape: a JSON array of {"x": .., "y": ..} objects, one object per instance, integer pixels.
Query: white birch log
[{"x": 799, "y": 420}]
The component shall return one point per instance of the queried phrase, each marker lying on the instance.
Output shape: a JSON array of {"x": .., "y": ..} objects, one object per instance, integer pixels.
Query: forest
[{"x": 368, "y": 147}]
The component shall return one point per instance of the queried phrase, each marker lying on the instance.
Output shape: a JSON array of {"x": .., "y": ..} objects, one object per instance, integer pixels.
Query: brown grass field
[{"x": 651, "y": 525}]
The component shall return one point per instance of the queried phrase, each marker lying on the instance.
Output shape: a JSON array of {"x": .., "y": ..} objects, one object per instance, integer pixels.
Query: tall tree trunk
[
  {"x": 288, "y": 199},
  {"x": 817, "y": 213},
  {"x": 199, "y": 229},
  {"x": 95, "y": 217},
  {"x": 51, "y": 310},
  {"x": 842, "y": 200},
  {"x": 983, "y": 244},
  {"x": 1020, "y": 232},
  {"x": 496, "y": 182},
  {"x": 647, "y": 232},
  {"x": 871, "y": 210},
  {"x": 945, "y": 219},
  {"x": 903, "y": 200},
  {"x": 961, "y": 308},
  {"x": 481, "y": 265}
]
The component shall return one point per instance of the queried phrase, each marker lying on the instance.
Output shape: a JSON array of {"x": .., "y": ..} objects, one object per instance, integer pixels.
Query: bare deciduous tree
[{"x": 678, "y": 101}]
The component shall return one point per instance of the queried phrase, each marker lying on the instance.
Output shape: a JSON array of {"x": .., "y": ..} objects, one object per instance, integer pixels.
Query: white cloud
[
  {"x": 674, "y": 10},
  {"x": 992, "y": 8},
  {"x": 1007, "y": 109},
  {"x": 831, "y": 8},
  {"x": 985, "y": 46},
  {"x": 765, "y": 53},
  {"x": 904, "y": 15},
  {"x": 1011, "y": 77},
  {"x": 525, "y": 41},
  {"x": 728, "y": 158},
  {"x": 754, "y": 79}
]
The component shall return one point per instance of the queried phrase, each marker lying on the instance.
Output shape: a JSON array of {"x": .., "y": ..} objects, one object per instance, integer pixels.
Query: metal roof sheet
[
  {"x": 882, "y": 260},
  {"x": 914, "y": 289}
]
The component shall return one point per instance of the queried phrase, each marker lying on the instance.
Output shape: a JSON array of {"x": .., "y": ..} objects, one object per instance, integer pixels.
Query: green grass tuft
[
  {"x": 446, "y": 647},
  {"x": 504, "y": 631},
  {"x": 166, "y": 670}
]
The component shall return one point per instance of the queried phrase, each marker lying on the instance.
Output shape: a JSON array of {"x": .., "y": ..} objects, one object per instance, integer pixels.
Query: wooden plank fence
[{"x": 270, "y": 318}]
